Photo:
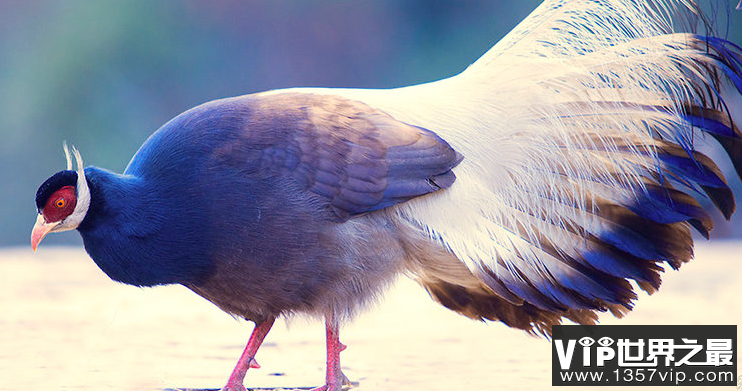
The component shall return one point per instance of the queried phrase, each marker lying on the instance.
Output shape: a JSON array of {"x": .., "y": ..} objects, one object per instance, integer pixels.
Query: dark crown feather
[{"x": 54, "y": 183}]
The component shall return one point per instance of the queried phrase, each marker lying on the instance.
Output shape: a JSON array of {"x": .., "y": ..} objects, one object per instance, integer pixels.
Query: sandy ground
[{"x": 65, "y": 326}]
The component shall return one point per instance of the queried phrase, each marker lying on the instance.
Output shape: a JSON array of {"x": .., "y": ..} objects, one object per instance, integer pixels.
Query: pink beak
[{"x": 40, "y": 229}]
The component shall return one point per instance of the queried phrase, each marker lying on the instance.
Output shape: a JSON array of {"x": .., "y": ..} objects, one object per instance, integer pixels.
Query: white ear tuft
[
  {"x": 67, "y": 155},
  {"x": 78, "y": 159},
  {"x": 83, "y": 193}
]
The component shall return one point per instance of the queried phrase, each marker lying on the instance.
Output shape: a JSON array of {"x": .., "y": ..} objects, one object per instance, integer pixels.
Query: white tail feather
[{"x": 564, "y": 109}]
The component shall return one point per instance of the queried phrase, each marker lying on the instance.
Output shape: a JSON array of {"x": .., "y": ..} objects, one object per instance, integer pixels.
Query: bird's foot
[
  {"x": 235, "y": 381},
  {"x": 343, "y": 384},
  {"x": 330, "y": 387},
  {"x": 234, "y": 387}
]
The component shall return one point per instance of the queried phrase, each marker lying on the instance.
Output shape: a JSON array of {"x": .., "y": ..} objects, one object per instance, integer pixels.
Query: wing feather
[{"x": 353, "y": 158}]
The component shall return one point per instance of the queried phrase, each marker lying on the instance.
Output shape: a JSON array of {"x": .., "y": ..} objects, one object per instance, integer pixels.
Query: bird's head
[{"x": 62, "y": 200}]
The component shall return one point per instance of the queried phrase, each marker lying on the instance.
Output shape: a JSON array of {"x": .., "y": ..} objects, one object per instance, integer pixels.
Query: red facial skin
[{"x": 60, "y": 205}]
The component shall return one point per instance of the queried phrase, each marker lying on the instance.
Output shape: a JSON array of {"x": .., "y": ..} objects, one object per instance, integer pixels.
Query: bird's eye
[{"x": 61, "y": 203}]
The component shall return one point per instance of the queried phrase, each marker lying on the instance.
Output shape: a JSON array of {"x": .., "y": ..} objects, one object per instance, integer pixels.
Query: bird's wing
[
  {"x": 583, "y": 133},
  {"x": 353, "y": 159}
]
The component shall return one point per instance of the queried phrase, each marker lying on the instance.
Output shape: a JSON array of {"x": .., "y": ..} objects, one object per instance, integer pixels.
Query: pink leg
[
  {"x": 335, "y": 379},
  {"x": 247, "y": 360}
]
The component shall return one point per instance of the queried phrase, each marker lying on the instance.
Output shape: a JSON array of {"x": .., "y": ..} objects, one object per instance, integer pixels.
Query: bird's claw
[
  {"x": 234, "y": 387},
  {"x": 343, "y": 384},
  {"x": 346, "y": 383}
]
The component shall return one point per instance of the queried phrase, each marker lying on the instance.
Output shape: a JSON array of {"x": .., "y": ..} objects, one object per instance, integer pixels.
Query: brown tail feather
[
  {"x": 449, "y": 282},
  {"x": 483, "y": 304}
]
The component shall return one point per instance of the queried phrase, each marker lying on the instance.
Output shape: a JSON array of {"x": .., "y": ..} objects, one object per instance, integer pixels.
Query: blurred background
[{"x": 104, "y": 75}]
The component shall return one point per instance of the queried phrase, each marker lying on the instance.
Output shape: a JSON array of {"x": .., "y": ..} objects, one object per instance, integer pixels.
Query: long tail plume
[{"x": 583, "y": 133}]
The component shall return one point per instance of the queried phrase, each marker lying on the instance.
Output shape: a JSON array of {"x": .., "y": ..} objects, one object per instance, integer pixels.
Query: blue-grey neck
[{"x": 135, "y": 238}]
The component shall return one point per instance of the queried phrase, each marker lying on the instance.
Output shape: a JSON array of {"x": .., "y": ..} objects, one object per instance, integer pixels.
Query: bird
[{"x": 550, "y": 180}]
